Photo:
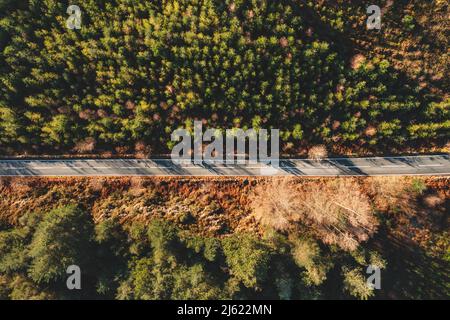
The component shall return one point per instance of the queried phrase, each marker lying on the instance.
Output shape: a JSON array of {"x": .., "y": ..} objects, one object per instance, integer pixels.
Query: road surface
[{"x": 375, "y": 166}]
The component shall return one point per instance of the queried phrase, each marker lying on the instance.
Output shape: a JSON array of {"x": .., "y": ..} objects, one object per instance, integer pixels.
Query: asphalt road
[{"x": 375, "y": 166}]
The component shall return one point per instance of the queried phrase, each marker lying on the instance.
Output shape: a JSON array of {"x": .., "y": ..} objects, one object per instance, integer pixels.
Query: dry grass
[
  {"x": 388, "y": 192},
  {"x": 97, "y": 183},
  {"x": 218, "y": 206},
  {"x": 137, "y": 186}
]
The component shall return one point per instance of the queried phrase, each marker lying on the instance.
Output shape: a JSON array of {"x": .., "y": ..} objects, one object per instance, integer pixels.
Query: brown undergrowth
[{"x": 416, "y": 207}]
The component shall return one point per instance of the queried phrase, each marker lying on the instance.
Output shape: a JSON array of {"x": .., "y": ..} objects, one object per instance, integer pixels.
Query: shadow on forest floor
[{"x": 411, "y": 273}]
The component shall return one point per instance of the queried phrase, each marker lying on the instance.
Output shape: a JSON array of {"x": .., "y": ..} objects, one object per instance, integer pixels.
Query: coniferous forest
[{"x": 137, "y": 70}]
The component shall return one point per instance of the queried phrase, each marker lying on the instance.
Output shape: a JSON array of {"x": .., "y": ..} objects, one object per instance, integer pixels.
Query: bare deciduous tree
[
  {"x": 142, "y": 150},
  {"x": 273, "y": 205},
  {"x": 317, "y": 152},
  {"x": 433, "y": 200},
  {"x": 336, "y": 212},
  {"x": 339, "y": 213},
  {"x": 84, "y": 146}
]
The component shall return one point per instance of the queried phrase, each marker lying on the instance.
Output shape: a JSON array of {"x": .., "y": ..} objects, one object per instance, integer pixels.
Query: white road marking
[
  {"x": 312, "y": 167},
  {"x": 394, "y": 166},
  {"x": 357, "y": 166},
  {"x": 431, "y": 165}
]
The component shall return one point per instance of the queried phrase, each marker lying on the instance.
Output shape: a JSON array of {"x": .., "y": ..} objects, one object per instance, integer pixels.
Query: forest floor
[{"x": 216, "y": 205}]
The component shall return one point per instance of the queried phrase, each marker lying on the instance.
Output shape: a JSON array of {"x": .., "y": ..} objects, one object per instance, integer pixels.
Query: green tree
[
  {"x": 247, "y": 258},
  {"x": 111, "y": 255},
  {"x": 63, "y": 238},
  {"x": 355, "y": 284},
  {"x": 166, "y": 274}
]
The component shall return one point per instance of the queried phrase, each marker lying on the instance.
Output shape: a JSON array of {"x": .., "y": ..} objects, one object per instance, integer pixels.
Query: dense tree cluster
[
  {"x": 159, "y": 261},
  {"x": 137, "y": 70}
]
